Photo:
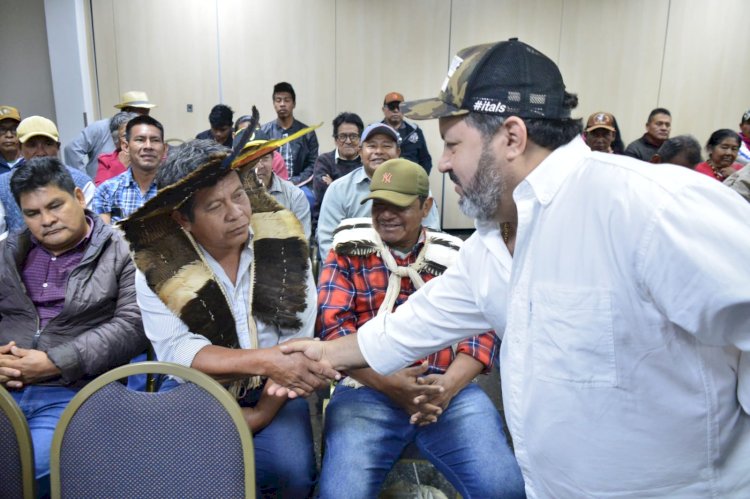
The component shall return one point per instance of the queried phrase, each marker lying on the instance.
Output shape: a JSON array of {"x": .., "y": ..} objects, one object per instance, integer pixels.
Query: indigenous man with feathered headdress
[{"x": 223, "y": 278}]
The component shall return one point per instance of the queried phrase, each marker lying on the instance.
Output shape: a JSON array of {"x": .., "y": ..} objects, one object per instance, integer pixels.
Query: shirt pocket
[{"x": 573, "y": 336}]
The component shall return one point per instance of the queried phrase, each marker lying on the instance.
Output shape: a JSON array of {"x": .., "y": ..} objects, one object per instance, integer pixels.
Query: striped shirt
[
  {"x": 351, "y": 289},
  {"x": 120, "y": 196}
]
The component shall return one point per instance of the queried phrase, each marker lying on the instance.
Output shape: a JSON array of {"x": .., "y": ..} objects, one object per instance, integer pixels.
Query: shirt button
[
  {"x": 54, "y": 258},
  {"x": 44, "y": 285}
]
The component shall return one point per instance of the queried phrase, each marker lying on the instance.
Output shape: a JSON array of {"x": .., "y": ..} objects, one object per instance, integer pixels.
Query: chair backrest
[
  {"x": 16, "y": 451},
  {"x": 191, "y": 441}
]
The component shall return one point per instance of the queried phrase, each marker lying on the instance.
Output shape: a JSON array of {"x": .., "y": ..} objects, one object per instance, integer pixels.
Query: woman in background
[{"x": 722, "y": 148}]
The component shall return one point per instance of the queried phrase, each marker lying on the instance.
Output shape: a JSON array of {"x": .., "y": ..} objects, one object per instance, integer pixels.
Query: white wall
[
  {"x": 625, "y": 57},
  {"x": 25, "y": 78}
]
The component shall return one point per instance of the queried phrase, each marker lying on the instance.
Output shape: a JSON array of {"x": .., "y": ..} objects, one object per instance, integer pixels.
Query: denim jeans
[
  {"x": 43, "y": 406},
  {"x": 365, "y": 433}
]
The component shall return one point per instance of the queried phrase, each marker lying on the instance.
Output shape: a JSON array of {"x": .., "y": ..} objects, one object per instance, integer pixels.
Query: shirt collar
[
  {"x": 546, "y": 179},
  {"x": 275, "y": 183},
  {"x": 415, "y": 249},
  {"x": 360, "y": 176},
  {"x": 336, "y": 156}
]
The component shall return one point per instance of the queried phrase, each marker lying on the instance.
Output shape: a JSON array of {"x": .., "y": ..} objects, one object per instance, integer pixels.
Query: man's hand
[
  {"x": 262, "y": 414},
  {"x": 327, "y": 179},
  {"x": 459, "y": 374},
  {"x": 7, "y": 360},
  {"x": 431, "y": 406},
  {"x": 298, "y": 372},
  {"x": 402, "y": 387},
  {"x": 29, "y": 367}
]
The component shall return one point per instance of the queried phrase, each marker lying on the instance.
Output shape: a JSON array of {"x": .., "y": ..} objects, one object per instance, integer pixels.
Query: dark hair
[
  {"x": 345, "y": 117},
  {"x": 618, "y": 146},
  {"x": 143, "y": 119},
  {"x": 719, "y": 135},
  {"x": 547, "y": 133},
  {"x": 185, "y": 159},
  {"x": 658, "y": 110},
  {"x": 680, "y": 144},
  {"x": 220, "y": 115},
  {"x": 283, "y": 86},
  {"x": 40, "y": 172},
  {"x": 245, "y": 118}
]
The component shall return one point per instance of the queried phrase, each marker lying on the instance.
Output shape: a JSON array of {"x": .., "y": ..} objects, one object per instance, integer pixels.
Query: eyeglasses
[
  {"x": 352, "y": 137},
  {"x": 393, "y": 106},
  {"x": 11, "y": 129}
]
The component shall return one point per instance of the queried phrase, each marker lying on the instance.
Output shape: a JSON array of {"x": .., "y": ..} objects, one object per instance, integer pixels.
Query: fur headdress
[{"x": 178, "y": 274}]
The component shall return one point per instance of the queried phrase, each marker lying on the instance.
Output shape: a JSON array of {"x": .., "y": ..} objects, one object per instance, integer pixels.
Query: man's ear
[
  {"x": 181, "y": 219},
  {"x": 427, "y": 206},
  {"x": 516, "y": 136},
  {"x": 78, "y": 194}
]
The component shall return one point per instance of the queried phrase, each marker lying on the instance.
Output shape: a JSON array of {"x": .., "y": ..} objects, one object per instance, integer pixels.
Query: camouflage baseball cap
[
  {"x": 506, "y": 78},
  {"x": 398, "y": 181}
]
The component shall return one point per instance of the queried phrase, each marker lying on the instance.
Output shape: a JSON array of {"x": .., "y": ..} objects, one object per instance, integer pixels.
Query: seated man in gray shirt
[
  {"x": 289, "y": 195},
  {"x": 344, "y": 197}
]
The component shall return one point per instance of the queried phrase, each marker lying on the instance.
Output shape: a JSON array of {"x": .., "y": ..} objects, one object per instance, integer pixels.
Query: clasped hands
[
  {"x": 305, "y": 367},
  {"x": 21, "y": 366}
]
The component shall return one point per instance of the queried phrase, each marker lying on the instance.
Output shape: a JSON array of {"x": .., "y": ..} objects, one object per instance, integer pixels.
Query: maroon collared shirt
[{"x": 46, "y": 276}]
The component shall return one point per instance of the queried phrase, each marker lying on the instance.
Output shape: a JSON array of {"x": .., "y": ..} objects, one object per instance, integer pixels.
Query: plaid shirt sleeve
[
  {"x": 103, "y": 198},
  {"x": 483, "y": 348},
  {"x": 336, "y": 294},
  {"x": 350, "y": 291}
]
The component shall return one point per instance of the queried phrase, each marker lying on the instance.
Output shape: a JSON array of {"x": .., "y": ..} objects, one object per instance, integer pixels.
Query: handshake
[{"x": 304, "y": 366}]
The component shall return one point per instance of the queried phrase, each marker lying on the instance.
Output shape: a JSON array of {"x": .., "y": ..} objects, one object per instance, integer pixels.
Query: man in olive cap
[{"x": 371, "y": 418}]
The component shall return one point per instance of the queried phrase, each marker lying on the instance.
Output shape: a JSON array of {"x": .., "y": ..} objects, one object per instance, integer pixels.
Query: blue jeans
[
  {"x": 284, "y": 451},
  {"x": 43, "y": 406},
  {"x": 365, "y": 433}
]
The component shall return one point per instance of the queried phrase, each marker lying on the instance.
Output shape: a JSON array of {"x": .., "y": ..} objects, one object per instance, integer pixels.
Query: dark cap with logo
[
  {"x": 506, "y": 78},
  {"x": 399, "y": 181}
]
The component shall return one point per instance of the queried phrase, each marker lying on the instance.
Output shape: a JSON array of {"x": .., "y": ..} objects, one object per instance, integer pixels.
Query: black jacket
[{"x": 100, "y": 325}]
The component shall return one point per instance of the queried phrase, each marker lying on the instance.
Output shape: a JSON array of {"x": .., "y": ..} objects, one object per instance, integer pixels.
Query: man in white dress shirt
[{"x": 625, "y": 327}]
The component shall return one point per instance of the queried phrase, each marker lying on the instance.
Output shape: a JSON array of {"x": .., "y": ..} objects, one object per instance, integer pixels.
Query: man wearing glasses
[
  {"x": 413, "y": 144},
  {"x": 347, "y": 129},
  {"x": 345, "y": 197}
]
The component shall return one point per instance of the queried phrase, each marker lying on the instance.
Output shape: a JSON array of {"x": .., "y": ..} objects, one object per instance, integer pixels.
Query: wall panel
[
  {"x": 26, "y": 78},
  {"x": 391, "y": 45},
  {"x": 706, "y": 82},
  {"x": 168, "y": 49},
  {"x": 615, "y": 70},
  {"x": 264, "y": 42}
]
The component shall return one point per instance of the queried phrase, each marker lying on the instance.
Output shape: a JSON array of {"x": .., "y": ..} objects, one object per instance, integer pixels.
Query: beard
[{"x": 481, "y": 198}]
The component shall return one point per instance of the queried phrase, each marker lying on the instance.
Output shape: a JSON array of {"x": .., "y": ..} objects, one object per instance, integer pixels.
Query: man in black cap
[
  {"x": 625, "y": 340},
  {"x": 413, "y": 143}
]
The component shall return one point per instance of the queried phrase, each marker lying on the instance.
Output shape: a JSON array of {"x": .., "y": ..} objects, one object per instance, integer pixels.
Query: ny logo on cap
[{"x": 387, "y": 177}]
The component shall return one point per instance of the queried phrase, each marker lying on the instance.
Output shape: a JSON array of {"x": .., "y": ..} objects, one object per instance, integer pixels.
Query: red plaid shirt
[{"x": 351, "y": 289}]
